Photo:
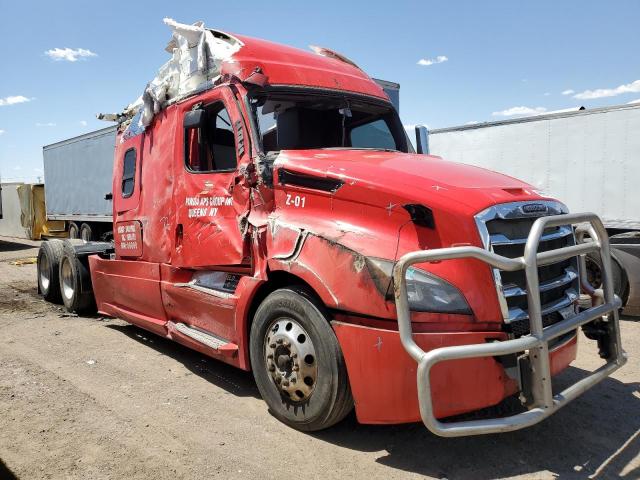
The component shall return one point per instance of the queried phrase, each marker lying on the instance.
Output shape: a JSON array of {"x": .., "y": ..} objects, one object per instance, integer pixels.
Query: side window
[
  {"x": 128, "y": 173},
  {"x": 212, "y": 147},
  {"x": 373, "y": 135},
  {"x": 268, "y": 130}
]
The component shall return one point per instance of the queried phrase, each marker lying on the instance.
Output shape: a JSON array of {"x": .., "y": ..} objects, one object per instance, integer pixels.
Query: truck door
[{"x": 208, "y": 199}]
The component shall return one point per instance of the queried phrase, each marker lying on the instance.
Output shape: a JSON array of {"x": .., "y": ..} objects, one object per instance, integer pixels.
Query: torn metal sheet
[{"x": 196, "y": 57}]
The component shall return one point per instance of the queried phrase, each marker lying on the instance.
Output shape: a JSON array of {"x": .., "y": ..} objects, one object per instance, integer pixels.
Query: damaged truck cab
[{"x": 260, "y": 215}]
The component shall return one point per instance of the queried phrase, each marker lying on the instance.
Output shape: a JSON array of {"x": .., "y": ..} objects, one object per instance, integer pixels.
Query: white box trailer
[
  {"x": 78, "y": 173},
  {"x": 589, "y": 159}
]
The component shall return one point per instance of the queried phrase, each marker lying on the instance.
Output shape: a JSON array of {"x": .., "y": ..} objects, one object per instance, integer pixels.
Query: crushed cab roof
[{"x": 201, "y": 56}]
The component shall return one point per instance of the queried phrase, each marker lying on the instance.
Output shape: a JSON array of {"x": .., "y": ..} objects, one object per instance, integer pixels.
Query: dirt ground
[{"x": 94, "y": 398}]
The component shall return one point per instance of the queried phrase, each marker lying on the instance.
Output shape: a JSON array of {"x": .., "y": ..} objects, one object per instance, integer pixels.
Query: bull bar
[{"x": 543, "y": 403}]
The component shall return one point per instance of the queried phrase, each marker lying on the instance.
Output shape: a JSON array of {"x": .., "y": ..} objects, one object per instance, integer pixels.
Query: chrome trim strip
[
  {"x": 518, "y": 313},
  {"x": 500, "y": 239},
  {"x": 569, "y": 276}
]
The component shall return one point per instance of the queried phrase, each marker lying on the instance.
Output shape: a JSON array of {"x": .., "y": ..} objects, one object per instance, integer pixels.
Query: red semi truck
[{"x": 269, "y": 211}]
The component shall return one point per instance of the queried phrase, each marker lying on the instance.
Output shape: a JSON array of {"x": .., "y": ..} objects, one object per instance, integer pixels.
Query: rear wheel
[
  {"x": 75, "y": 282},
  {"x": 74, "y": 231},
  {"x": 297, "y": 361},
  {"x": 86, "y": 232},
  {"x": 49, "y": 257}
]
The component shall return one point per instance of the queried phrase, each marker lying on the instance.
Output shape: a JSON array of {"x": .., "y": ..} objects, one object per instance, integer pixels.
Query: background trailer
[{"x": 589, "y": 159}]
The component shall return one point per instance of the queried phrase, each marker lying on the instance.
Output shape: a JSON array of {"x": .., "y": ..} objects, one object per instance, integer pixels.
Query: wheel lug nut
[
  {"x": 270, "y": 356},
  {"x": 295, "y": 368},
  {"x": 286, "y": 344},
  {"x": 272, "y": 368},
  {"x": 293, "y": 380},
  {"x": 285, "y": 383},
  {"x": 279, "y": 341},
  {"x": 272, "y": 345},
  {"x": 294, "y": 355}
]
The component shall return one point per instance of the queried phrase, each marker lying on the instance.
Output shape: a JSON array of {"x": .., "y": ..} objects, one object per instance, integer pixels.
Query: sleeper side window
[
  {"x": 212, "y": 147},
  {"x": 128, "y": 173}
]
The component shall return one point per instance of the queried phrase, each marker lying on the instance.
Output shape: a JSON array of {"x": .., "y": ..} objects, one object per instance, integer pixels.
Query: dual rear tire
[
  {"x": 84, "y": 231},
  {"x": 63, "y": 277}
]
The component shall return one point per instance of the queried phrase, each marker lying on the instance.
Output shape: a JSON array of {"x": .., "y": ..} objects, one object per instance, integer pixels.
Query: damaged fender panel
[{"x": 343, "y": 278}]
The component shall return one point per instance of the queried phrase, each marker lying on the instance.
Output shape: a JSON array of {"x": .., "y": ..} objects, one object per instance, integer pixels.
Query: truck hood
[
  {"x": 378, "y": 177},
  {"x": 360, "y": 201}
]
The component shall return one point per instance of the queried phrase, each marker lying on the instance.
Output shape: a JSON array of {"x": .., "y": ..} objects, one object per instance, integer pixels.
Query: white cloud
[
  {"x": 568, "y": 92},
  {"x": 633, "y": 87},
  {"x": 69, "y": 54},
  {"x": 472, "y": 122},
  {"x": 634, "y": 101},
  {"x": 546, "y": 94},
  {"x": 48, "y": 124},
  {"x": 38, "y": 170},
  {"x": 12, "y": 100},
  {"x": 17, "y": 167},
  {"x": 432, "y": 61},
  {"x": 509, "y": 112},
  {"x": 83, "y": 123},
  {"x": 1, "y": 132}
]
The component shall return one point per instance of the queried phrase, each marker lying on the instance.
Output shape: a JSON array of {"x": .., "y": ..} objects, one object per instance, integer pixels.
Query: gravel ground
[{"x": 98, "y": 398}]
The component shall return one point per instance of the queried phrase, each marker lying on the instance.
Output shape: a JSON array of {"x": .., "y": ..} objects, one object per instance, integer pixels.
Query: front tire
[{"x": 297, "y": 362}]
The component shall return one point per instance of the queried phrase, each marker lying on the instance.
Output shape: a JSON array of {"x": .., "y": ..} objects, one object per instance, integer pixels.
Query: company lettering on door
[{"x": 199, "y": 207}]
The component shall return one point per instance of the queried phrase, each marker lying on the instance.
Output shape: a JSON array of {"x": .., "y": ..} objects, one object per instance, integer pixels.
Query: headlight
[{"x": 428, "y": 293}]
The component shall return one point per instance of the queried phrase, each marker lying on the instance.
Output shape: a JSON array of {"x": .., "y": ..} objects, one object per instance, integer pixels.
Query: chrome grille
[{"x": 504, "y": 229}]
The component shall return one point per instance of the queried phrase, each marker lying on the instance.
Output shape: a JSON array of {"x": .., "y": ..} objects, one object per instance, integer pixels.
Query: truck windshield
[{"x": 315, "y": 120}]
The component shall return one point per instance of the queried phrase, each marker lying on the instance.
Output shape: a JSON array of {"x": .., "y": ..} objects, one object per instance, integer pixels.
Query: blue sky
[{"x": 484, "y": 60}]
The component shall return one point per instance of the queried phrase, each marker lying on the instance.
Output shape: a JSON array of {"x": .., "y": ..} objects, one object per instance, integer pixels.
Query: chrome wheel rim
[
  {"x": 45, "y": 268},
  {"x": 291, "y": 360},
  {"x": 85, "y": 235},
  {"x": 66, "y": 275}
]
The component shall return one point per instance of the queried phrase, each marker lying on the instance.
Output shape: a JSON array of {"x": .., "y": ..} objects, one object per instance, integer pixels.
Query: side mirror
[
  {"x": 422, "y": 139},
  {"x": 194, "y": 119}
]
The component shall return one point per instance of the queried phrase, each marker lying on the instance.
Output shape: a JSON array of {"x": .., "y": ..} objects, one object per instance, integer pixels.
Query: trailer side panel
[
  {"x": 78, "y": 174},
  {"x": 589, "y": 159}
]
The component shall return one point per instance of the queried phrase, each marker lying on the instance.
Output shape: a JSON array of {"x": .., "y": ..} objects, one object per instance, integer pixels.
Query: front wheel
[{"x": 297, "y": 361}]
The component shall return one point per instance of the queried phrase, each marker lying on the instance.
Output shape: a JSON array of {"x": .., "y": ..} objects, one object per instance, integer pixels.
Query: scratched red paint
[{"x": 323, "y": 239}]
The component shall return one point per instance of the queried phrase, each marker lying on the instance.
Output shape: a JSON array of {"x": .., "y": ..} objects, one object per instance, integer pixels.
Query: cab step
[{"x": 222, "y": 346}]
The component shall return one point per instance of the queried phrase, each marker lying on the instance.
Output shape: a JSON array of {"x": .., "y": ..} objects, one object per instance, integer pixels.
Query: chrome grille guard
[{"x": 544, "y": 402}]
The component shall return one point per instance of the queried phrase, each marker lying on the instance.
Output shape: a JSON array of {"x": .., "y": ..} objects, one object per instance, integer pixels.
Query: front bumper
[
  {"x": 383, "y": 376},
  {"x": 542, "y": 400}
]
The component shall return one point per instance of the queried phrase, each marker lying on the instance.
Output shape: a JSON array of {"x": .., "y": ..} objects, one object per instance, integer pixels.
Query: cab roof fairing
[
  {"x": 197, "y": 54},
  {"x": 200, "y": 56}
]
